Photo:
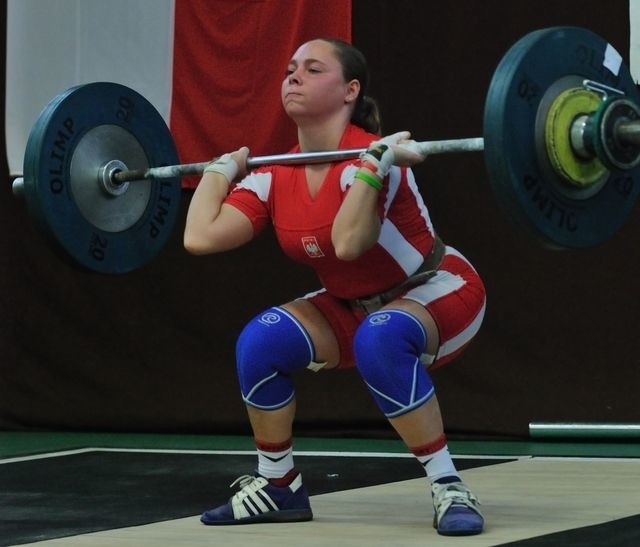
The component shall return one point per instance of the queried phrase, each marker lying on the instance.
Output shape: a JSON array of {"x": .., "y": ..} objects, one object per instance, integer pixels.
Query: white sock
[
  {"x": 274, "y": 460},
  {"x": 436, "y": 460}
]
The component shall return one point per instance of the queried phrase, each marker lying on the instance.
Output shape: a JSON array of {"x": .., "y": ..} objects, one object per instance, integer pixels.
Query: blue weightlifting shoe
[
  {"x": 260, "y": 501},
  {"x": 456, "y": 510}
]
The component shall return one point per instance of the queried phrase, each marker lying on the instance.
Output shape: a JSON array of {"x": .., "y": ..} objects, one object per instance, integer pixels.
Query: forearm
[
  {"x": 204, "y": 209},
  {"x": 212, "y": 226},
  {"x": 356, "y": 227}
]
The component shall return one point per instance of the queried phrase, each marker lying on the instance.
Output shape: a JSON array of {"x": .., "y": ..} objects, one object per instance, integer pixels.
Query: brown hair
[{"x": 354, "y": 67}]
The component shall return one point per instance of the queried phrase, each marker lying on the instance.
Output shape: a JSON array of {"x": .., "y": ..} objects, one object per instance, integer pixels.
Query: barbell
[{"x": 561, "y": 141}]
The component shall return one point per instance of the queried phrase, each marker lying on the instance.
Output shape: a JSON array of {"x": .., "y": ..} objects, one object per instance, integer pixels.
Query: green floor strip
[{"x": 13, "y": 444}]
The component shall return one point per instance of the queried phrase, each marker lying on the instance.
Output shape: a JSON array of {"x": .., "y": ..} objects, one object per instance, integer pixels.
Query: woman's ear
[{"x": 352, "y": 91}]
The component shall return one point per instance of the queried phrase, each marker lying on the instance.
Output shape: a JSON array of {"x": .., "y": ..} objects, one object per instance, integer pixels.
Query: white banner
[
  {"x": 634, "y": 39},
  {"x": 55, "y": 44}
]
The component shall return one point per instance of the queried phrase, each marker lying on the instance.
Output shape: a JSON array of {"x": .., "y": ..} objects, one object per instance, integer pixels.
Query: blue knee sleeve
[
  {"x": 271, "y": 346},
  {"x": 388, "y": 346}
]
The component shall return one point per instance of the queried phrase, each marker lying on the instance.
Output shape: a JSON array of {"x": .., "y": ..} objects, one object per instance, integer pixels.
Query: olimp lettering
[
  {"x": 552, "y": 211},
  {"x": 162, "y": 210},
  {"x": 58, "y": 154}
]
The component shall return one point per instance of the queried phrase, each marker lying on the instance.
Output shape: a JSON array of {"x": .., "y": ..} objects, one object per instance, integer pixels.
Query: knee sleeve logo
[
  {"x": 269, "y": 318},
  {"x": 377, "y": 319}
]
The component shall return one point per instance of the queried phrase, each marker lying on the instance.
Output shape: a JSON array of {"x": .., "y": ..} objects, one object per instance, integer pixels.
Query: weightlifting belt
[{"x": 427, "y": 269}]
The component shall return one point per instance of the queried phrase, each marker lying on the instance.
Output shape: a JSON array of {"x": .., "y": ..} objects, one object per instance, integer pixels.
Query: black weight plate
[
  {"x": 74, "y": 135},
  {"x": 532, "y": 197}
]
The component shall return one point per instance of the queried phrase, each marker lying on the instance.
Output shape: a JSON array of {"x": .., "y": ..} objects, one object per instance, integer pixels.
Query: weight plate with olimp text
[
  {"x": 556, "y": 213},
  {"x": 78, "y": 133}
]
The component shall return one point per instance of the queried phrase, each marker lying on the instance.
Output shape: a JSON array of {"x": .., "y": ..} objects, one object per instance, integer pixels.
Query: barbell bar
[
  {"x": 117, "y": 175},
  {"x": 628, "y": 133},
  {"x": 561, "y": 150},
  {"x": 473, "y": 144}
]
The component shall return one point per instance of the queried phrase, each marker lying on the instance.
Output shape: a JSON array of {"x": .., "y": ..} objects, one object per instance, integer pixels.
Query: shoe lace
[
  {"x": 243, "y": 481},
  {"x": 455, "y": 493}
]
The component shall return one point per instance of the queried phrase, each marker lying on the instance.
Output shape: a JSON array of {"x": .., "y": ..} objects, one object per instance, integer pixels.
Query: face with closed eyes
[{"x": 314, "y": 86}]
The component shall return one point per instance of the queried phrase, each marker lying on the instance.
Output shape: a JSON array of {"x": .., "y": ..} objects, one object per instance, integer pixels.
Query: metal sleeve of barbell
[
  {"x": 628, "y": 132},
  {"x": 474, "y": 144},
  {"x": 166, "y": 172},
  {"x": 583, "y": 430},
  {"x": 17, "y": 187}
]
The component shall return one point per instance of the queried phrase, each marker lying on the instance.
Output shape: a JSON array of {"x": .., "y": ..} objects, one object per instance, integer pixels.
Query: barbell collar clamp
[
  {"x": 106, "y": 175},
  {"x": 625, "y": 131},
  {"x": 581, "y": 137},
  {"x": 602, "y": 89}
]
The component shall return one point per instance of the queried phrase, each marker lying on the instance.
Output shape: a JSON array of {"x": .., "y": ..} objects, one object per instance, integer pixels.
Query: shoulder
[
  {"x": 257, "y": 182},
  {"x": 356, "y": 137}
]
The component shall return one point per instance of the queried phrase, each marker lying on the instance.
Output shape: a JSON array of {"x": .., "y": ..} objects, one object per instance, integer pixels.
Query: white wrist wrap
[
  {"x": 225, "y": 165},
  {"x": 378, "y": 158}
]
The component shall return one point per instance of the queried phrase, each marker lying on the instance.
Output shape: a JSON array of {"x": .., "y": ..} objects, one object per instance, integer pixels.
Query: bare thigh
[{"x": 319, "y": 329}]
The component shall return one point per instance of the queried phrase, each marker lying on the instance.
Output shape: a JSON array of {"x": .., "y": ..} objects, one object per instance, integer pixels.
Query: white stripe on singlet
[
  {"x": 405, "y": 254},
  {"x": 391, "y": 239},
  {"x": 440, "y": 285},
  {"x": 259, "y": 183}
]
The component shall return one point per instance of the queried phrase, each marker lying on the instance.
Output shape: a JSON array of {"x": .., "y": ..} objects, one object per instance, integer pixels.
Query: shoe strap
[{"x": 454, "y": 494}]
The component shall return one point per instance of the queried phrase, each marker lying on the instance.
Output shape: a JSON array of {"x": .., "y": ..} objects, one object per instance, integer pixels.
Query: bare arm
[
  {"x": 212, "y": 226},
  {"x": 356, "y": 227}
]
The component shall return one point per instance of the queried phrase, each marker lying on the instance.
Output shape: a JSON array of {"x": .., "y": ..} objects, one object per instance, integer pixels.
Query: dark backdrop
[{"x": 153, "y": 350}]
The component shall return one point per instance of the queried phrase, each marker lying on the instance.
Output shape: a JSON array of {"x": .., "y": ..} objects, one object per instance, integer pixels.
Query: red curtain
[{"x": 229, "y": 61}]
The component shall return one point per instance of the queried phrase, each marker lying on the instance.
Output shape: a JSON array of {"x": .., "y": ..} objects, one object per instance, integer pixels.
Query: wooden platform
[{"x": 520, "y": 499}]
